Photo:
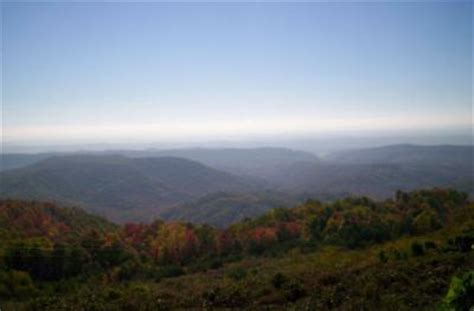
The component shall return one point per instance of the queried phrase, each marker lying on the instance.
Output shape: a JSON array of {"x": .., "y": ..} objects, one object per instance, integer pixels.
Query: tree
[
  {"x": 314, "y": 227},
  {"x": 426, "y": 221},
  {"x": 19, "y": 284}
]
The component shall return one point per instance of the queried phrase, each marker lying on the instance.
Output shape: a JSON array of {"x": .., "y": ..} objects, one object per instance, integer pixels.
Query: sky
[{"x": 129, "y": 71}]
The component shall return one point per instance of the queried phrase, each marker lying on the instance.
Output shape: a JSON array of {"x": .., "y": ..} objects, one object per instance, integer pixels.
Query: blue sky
[{"x": 111, "y": 71}]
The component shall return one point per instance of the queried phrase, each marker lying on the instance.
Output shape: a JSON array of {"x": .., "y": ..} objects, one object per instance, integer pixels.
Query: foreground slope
[{"x": 399, "y": 254}]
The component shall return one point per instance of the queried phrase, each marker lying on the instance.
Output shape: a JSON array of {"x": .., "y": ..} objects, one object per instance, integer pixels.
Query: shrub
[
  {"x": 426, "y": 221},
  {"x": 464, "y": 243},
  {"x": 430, "y": 245},
  {"x": 169, "y": 271},
  {"x": 237, "y": 273},
  {"x": 216, "y": 263},
  {"x": 417, "y": 249},
  {"x": 294, "y": 290},
  {"x": 460, "y": 295},
  {"x": 383, "y": 257},
  {"x": 278, "y": 280},
  {"x": 130, "y": 270},
  {"x": 19, "y": 284}
]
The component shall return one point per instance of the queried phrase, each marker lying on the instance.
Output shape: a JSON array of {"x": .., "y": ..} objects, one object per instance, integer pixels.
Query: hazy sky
[{"x": 110, "y": 71}]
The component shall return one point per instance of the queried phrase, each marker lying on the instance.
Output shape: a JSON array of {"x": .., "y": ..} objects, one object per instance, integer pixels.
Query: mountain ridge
[
  {"x": 116, "y": 184},
  {"x": 142, "y": 187}
]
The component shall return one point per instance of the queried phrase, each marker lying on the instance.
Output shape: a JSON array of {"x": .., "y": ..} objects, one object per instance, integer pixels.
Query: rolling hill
[
  {"x": 256, "y": 162},
  {"x": 222, "y": 209},
  {"x": 118, "y": 187},
  {"x": 374, "y": 180},
  {"x": 230, "y": 184}
]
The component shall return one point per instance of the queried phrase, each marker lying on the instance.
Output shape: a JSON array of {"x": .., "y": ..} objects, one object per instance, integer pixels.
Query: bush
[
  {"x": 130, "y": 270},
  {"x": 417, "y": 249},
  {"x": 232, "y": 297},
  {"x": 216, "y": 264},
  {"x": 460, "y": 295},
  {"x": 170, "y": 271},
  {"x": 278, "y": 280},
  {"x": 237, "y": 273},
  {"x": 294, "y": 290},
  {"x": 426, "y": 221},
  {"x": 17, "y": 284},
  {"x": 464, "y": 243},
  {"x": 430, "y": 245},
  {"x": 383, "y": 257}
]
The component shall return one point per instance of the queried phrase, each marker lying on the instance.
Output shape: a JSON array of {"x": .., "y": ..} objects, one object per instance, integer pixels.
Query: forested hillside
[
  {"x": 401, "y": 253},
  {"x": 227, "y": 185},
  {"x": 120, "y": 188},
  {"x": 222, "y": 209}
]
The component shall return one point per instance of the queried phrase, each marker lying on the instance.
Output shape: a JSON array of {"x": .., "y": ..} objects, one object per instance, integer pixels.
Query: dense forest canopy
[{"x": 44, "y": 246}]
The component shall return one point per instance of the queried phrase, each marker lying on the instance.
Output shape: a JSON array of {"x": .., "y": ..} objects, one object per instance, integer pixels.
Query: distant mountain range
[
  {"x": 258, "y": 162},
  {"x": 378, "y": 172},
  {"x": 408, "y": 154},
  {"x": 222, "y": 186},
  {"x": 120, "y": 188},
  {"x": 10, "y": 161},
  {"x": 373, "y": 180}
]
